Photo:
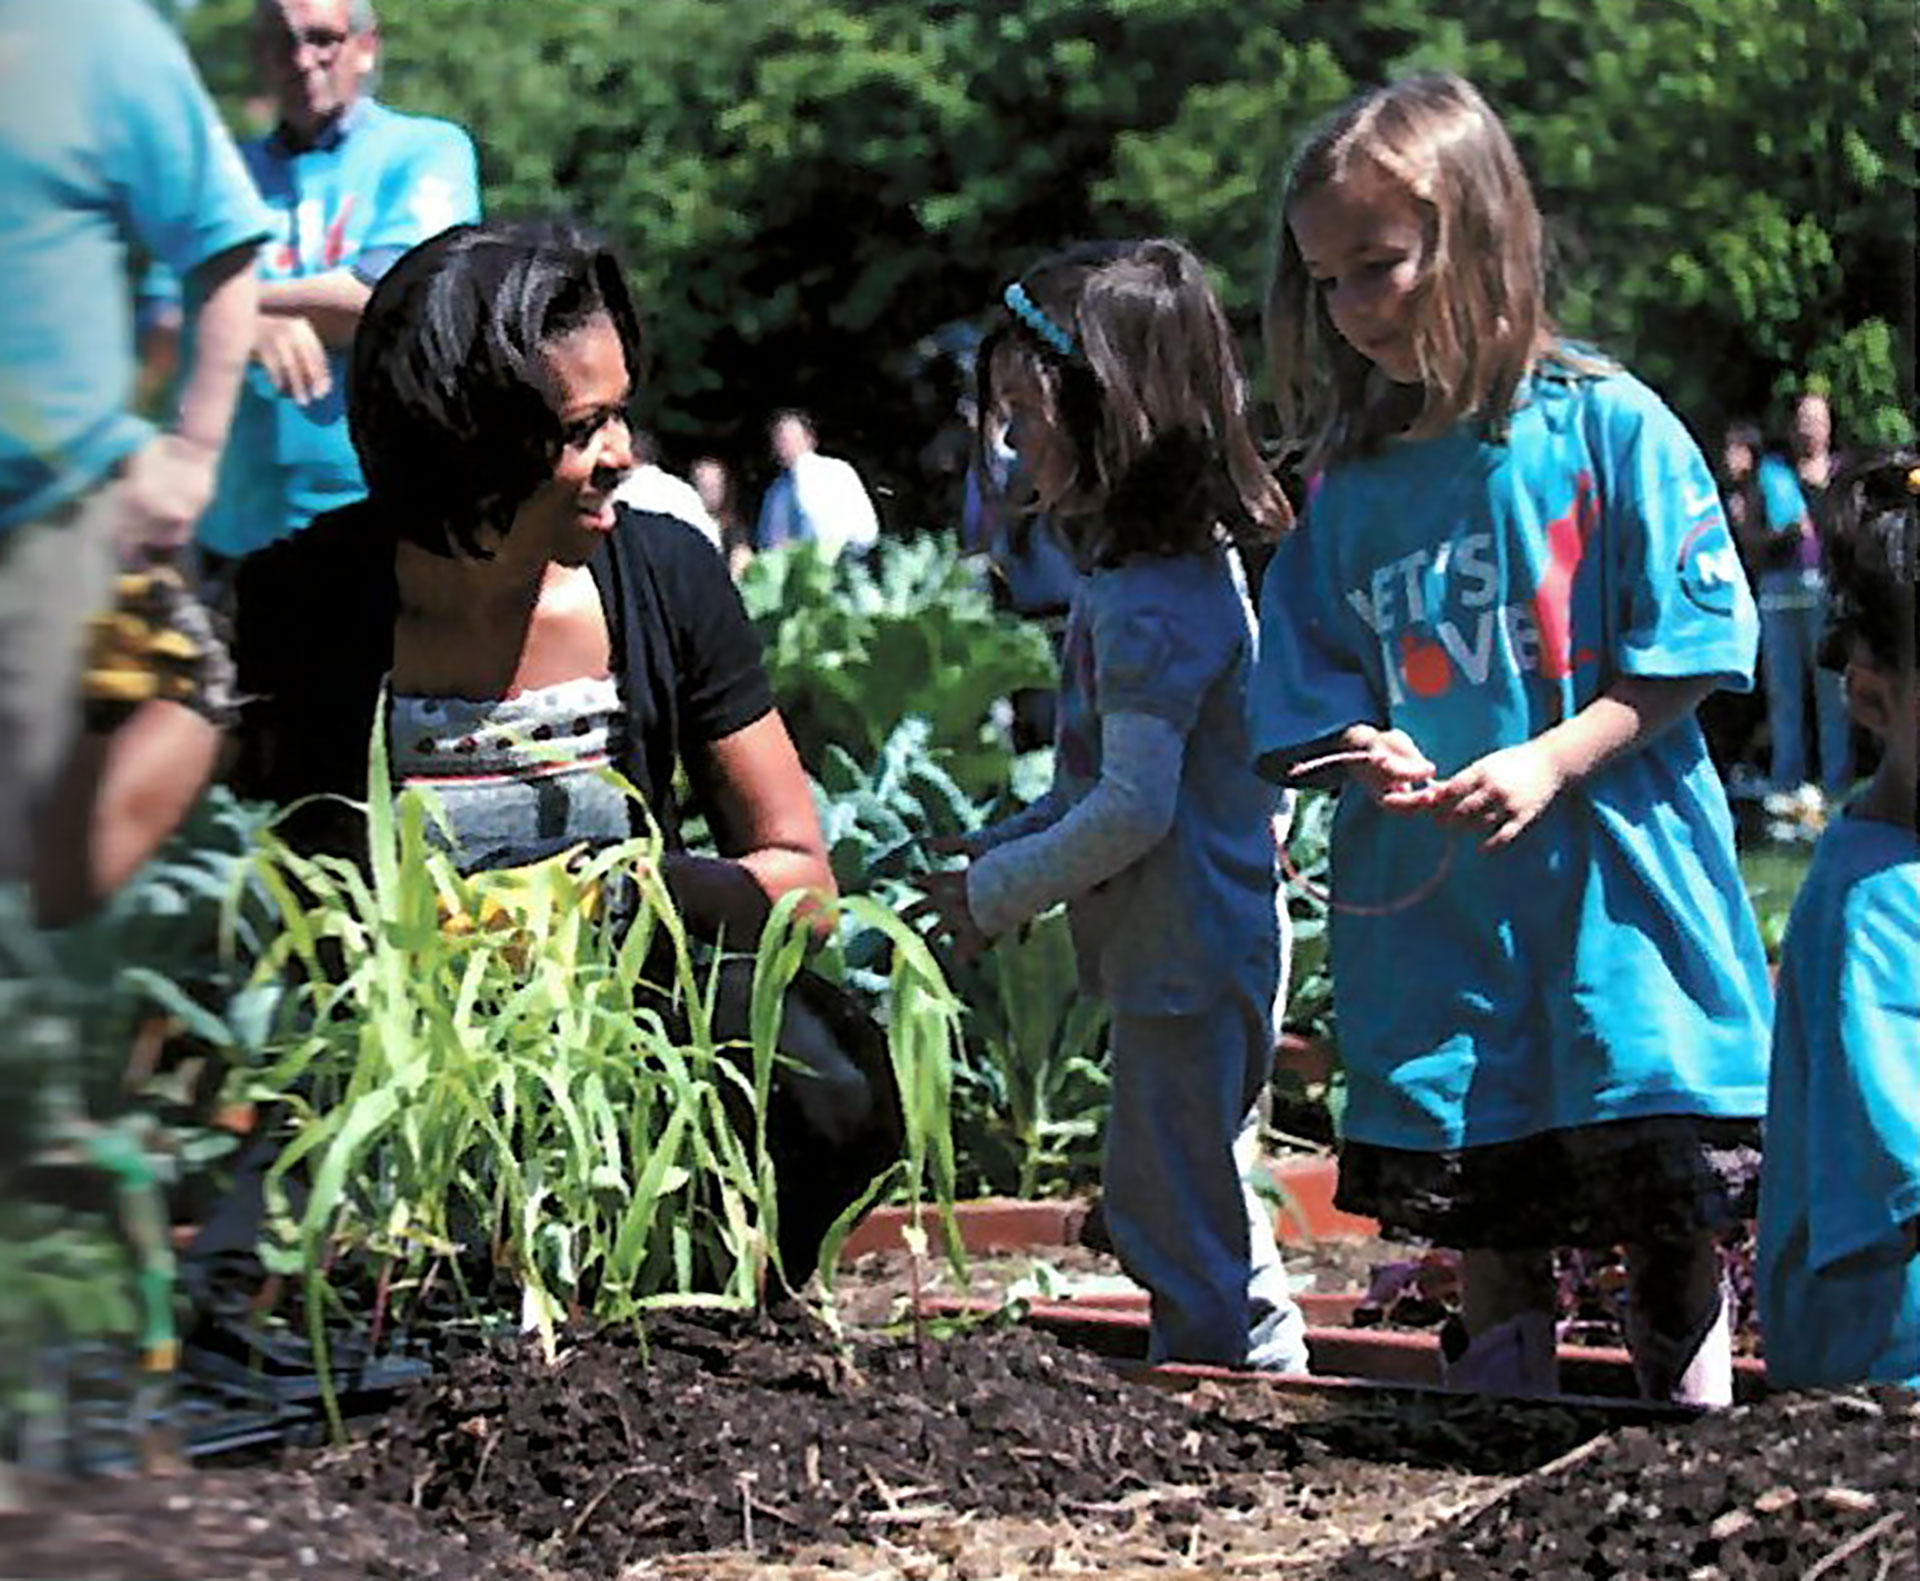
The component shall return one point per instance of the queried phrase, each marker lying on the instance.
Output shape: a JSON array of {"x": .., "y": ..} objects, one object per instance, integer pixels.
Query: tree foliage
[{"x": 805, "y": 189}]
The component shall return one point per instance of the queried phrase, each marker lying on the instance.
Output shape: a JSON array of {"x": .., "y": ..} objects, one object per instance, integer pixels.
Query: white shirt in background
[{"x": 653, "y": 488}]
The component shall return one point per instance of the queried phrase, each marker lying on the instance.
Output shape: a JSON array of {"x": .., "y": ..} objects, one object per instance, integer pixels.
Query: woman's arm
[{"x": 761, "y": 810}]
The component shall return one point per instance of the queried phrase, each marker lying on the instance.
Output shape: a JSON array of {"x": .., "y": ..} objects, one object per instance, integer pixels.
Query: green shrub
[{"x": 854, "y": 647}]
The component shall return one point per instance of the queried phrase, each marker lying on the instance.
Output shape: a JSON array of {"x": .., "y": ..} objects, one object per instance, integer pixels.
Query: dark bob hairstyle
[{"x": 445, "y": 402}]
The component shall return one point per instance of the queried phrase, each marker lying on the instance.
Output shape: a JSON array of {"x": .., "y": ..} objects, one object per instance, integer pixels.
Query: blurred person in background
[
  {"x": 816, "y": 499},
  {"x": 1816, "y": 463},
  {"x": 113, "y": 686},
  {"x": 1776, "y": 507},
  {"x": 713, "y": 482}
]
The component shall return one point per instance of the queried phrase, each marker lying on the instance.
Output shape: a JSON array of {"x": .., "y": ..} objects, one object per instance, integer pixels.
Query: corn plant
[{"x": 479, "y": 1073}]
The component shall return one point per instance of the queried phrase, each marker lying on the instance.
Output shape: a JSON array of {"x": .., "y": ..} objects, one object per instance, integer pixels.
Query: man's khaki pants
[{"x": 56, "y": 573}]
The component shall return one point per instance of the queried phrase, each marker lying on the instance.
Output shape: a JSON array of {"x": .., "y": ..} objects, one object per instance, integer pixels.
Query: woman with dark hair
[
  {"x": 525, "y": 631},
  {"x": 491, "y": 586}
]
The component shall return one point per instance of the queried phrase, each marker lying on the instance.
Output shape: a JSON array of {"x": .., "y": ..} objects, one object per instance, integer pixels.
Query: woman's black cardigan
[{"x": 313, "y": 643}]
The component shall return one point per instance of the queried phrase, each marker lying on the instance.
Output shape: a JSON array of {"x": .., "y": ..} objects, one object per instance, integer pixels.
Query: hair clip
[{"x": 1028, "y": 312}]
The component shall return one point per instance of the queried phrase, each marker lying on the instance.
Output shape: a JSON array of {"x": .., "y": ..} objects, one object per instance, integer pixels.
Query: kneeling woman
[{"x": 525, "y": 632}]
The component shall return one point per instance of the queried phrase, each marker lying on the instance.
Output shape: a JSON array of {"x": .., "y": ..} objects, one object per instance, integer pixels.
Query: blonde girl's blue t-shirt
[
  {"x": 1605, "y": 965},
  {"x": 1839, "y": 1286}
]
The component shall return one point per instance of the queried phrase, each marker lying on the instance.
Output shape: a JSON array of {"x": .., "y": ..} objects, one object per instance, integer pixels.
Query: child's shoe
[
  {"x": 1519, "y": 1357},
  {"x": 1694, "y": 1370}
]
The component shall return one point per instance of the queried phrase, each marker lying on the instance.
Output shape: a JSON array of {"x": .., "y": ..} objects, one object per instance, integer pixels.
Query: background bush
[{"x": 808, "y": 190}]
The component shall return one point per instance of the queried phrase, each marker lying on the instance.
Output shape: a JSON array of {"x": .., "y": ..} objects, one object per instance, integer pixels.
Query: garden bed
[
  {"x": 736, "y": 1448},
  {"x": 1374, "y": 1309}
]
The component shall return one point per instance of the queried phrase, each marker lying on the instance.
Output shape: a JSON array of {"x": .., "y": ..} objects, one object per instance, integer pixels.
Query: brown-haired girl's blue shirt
[{"x": 1171, "y": 636}]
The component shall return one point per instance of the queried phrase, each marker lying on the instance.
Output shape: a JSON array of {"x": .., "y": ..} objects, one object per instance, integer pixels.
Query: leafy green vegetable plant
[
  {"x": 1030, "y": 1086},
  {"x": 855, "y": 646},
  {"x": 1309, "y": 852}
]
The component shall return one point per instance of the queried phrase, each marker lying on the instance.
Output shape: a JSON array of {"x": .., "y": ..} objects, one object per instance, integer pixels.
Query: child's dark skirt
[{"x": 1661, "y": 1178}]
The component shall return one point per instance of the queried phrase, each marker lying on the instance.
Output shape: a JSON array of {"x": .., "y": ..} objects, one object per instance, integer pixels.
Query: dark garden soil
[
  {"x": 732, "y": 1448},
  {"x": 1814, "y": 1487}
]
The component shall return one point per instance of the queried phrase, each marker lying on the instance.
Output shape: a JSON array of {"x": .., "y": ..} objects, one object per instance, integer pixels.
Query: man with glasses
[{"x": 352, "y": 185}]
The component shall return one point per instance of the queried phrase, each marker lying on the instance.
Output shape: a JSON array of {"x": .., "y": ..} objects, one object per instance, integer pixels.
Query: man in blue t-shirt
[
  {"x": 351, "y": 185},
  {"x": 110, "y": 151}
]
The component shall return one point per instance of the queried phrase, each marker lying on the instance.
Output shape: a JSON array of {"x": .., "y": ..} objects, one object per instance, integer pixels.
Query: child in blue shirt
[
  {"x": 1839, "y": 1263},
  {"x": 1512, "y": 588},
  {"x": 1118, "y": 379}
]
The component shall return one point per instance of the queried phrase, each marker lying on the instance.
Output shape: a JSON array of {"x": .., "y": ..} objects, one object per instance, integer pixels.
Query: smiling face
[
  {"x": 587, "y": 385},
  {"x": 312, "y": 60},
  {"x": 1363, "y": 240}
]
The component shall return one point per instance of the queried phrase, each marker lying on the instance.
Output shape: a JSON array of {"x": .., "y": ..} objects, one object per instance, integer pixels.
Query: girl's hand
[
  {"x": 1392, "y": 769},
  {"x": 945, "y": 902},
  {"x": 1499, "y": 794}
]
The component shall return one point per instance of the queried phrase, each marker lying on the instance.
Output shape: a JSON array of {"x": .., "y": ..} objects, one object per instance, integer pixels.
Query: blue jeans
[
  {"x": 1185, "y": 1219},
  {"x": 1793, "y": 613}
]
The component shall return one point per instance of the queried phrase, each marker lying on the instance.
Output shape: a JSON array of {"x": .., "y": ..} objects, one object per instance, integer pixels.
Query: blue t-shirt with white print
[
  {"x": 1606, "y": 964},
  {"x": 110, "y": 150},
  {"x": 377, "y": 183},
  {"x": 1838, "y": 1284}
]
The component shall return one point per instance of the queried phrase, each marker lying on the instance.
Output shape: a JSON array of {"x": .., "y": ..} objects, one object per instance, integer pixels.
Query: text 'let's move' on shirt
[{"x": 1473, "y": 593}]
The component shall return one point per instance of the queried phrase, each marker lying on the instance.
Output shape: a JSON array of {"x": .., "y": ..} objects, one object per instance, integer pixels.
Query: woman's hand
[
  {"x": 1499, "y": 794},
  {"x": 945, "y": 903}
]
